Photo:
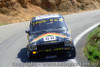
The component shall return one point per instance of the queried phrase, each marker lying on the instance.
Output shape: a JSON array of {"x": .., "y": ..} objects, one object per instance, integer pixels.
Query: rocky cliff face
[
  {"x": 52, "y": 5},
  {"x": 30, "y": 8},
  {"x": 70, "y": 5}
]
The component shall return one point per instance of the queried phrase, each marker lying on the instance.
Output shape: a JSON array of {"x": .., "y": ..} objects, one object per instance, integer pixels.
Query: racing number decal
[{"x": 49, "y": 38}]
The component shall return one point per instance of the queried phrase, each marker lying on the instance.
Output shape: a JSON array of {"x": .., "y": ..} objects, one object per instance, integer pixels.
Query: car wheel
[
  {"x": 29, "y": 55},
  {"x": 73, "y": 53}
]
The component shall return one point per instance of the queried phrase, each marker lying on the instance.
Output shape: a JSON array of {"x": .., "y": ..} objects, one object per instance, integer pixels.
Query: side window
[
  {"x": 30, "y": 27},
  {"x": 65, "y": 24}
]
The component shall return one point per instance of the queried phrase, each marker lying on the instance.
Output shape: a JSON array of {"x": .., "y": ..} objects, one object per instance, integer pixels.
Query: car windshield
[{"x": 42, "y": 25}]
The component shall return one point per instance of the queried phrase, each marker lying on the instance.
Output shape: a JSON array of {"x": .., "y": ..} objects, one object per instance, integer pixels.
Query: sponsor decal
[
  {"x": 47, "y": 16},
  {"x": 56, "y": 49},
  {"x": 49, "y": 20},
  {"x": 50, "y": 41}
]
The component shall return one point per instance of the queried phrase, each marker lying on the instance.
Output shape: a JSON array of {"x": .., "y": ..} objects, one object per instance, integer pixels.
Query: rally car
[{"x": 48, "y": 35}]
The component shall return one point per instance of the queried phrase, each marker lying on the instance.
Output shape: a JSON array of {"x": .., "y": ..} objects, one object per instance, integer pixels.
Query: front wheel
[
  {"x": 29, "y": 55},
  {"x": 73, "y": 53}
]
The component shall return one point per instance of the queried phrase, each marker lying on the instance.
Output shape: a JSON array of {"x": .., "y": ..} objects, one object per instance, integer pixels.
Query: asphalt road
[{"x": 13, "y": 42}]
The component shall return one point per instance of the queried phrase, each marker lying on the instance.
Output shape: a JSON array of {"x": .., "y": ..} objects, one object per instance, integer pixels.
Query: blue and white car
[{"x": 48, "y": 35}]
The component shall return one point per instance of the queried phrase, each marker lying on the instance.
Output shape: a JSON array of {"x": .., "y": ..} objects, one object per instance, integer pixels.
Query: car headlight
[
  {"x": 33, "y": 47},
  {"x": 67, "y": 42}
]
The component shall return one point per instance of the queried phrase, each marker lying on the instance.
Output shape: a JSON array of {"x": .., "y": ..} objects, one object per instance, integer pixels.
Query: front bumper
[{"x": 53, "y": 51}]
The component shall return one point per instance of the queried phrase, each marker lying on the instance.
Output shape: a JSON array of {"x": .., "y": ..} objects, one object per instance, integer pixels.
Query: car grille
[{"x": 50, "y": 46}]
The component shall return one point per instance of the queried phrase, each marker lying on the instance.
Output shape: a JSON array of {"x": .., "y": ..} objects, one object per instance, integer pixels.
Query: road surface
[{"x": 13, "y": 42}]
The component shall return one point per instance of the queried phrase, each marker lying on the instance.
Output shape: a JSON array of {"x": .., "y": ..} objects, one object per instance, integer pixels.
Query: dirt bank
[{"x": 12, "y": 11}]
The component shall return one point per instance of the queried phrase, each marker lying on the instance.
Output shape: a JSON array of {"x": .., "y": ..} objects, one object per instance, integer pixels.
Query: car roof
[{"x": 48, "y": 16}]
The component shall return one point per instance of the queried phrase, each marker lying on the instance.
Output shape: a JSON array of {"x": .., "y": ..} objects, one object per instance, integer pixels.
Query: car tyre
[
  {"x": 29, "y": 55},
  {"x": 73, "y": 53}
]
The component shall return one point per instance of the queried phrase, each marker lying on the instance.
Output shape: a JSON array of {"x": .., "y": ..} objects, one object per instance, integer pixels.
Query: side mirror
[{"x": 28, "y": 32}]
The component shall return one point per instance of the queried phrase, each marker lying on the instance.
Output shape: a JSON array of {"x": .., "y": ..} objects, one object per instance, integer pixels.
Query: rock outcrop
[
  {"x": 53, "y": 5},
  {"x": 25, "y": 9}
]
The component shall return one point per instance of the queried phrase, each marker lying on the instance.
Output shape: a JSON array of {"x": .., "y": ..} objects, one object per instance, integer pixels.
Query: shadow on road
[{"x": 23, "y": 57}]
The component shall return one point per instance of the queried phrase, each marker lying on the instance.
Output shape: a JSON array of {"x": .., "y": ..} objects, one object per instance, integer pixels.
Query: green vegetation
[
  {"x": 92, "y": 49},
  {"x": 3, "y": 24}
]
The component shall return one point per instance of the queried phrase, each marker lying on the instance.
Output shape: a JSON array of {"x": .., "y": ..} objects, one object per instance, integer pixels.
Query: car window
[{"x": 48, "y": 24}]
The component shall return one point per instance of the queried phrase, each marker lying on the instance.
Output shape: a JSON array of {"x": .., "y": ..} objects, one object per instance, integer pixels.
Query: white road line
[
  {"x": 80, "y": 36},
  {"x": 83, "y": 33},
  {"x": 75, "y": 62}
]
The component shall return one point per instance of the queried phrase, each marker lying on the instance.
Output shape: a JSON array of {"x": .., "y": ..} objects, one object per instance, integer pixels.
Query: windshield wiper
[
  {"x": 57, "y": 27},
  {"x": 43, "y": 31},
  {"x": 39, "y": 32}
]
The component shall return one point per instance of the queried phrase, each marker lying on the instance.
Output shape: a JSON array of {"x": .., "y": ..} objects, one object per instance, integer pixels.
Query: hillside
[
  {"x": 12, "y": 11},
  {"x": 92, "y": 48}
]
